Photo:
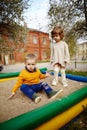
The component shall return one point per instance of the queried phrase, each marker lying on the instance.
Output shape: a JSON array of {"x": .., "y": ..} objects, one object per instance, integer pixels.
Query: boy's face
[{"x": 30, "y": 64}]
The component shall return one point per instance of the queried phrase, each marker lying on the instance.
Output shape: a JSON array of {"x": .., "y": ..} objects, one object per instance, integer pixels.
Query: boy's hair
[
  {"x": 57, "y": 30},
  {"x": 30, "y": 57}
]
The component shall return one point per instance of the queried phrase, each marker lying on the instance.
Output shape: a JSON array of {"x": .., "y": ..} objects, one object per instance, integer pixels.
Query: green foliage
[
  {"x": 11, "y": 16},
  {"x": 11, "y": 11},
  {"x": 67, "y": 12},
  {"x": 12, "y": 23}
]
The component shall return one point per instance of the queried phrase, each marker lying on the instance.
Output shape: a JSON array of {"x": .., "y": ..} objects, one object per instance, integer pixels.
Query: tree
[
  {"x": 72, "y": 15},
  {"x": 12, "y": 21},
  {"x": 67, "y": 12},
  {"x": 11, "y": 16}
]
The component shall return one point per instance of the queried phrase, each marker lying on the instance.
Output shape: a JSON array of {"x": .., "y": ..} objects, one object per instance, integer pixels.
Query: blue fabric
[{"x": 29, "y": 90}]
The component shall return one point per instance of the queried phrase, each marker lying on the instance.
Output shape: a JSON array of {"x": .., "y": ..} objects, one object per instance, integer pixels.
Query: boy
[{"x": 29, "y": 81}]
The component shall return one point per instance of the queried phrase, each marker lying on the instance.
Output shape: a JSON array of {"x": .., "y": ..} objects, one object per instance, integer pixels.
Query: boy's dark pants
[{"x": 30, "y": 90}]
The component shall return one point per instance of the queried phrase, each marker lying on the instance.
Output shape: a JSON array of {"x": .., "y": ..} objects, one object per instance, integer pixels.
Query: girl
[{"x": 59, "y": 55}]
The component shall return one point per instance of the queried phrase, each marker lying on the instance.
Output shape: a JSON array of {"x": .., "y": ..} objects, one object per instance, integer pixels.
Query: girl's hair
[
  {"x": 30, "y": 57},
  {"x": 57, "y": 30}
]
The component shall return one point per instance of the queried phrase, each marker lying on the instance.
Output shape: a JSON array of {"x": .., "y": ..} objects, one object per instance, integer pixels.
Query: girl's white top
[{"x": 60, "y": 53}]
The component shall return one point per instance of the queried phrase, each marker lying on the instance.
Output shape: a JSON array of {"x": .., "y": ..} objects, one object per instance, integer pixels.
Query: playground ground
[
  {"x": 80, "y": 66},
  {"x": 20, "y": 104}
]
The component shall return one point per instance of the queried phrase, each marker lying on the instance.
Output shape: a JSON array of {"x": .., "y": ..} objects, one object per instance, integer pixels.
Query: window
[
  {"x": 36, "y": 53},
  {"x": 10, "y": 37},
  {"x": 0, "y": 57},
  {"x": 11, "y": 56},
  {"x": 34, "y": 39},
  {"x": 44, "y": 40},
  {"x": 0, "y": 37},
  {"x": 44, "y": 55},
  {"x": 25, "y": 39}
]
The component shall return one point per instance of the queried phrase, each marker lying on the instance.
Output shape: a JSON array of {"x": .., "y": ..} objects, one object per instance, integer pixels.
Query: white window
[
  {"x": 25, "y": 39},
  {"x": 11, "y": 56},
  {"x": 10, "y": 37},
  {"x": 36, "y": 53},
  {"x": 44, "y": 40},
  {"x": 34, "y": 39},
  {"x": 44, "y": 54}
]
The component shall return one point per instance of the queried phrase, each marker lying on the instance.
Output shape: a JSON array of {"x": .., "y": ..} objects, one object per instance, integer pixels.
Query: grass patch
[{"x": 80, "y": 73}]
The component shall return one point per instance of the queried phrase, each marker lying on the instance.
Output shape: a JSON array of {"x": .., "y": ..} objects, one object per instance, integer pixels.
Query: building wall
[
  {"x": 37, "y": 42},
  {"x": 82, "y": 51}
]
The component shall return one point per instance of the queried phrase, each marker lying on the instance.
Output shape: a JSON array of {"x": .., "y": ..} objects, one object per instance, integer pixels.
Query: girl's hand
[
  {"x": 47, "y": 74},
  {"x": 67, "y": 63},
  {"x": 51, "y": 62},
  {"x": 11, "y": 95}
]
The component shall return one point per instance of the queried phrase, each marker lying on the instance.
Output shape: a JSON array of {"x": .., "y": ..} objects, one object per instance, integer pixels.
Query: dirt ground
[{"x": 21, "y": 104}]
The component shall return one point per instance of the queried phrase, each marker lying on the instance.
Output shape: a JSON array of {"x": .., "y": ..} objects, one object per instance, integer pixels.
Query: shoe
[
  {"x": 37, "y": 99},
  {"x": 65, "y": 84},
  {"x": 54, "y": 94},
  {"x": 54, "y": 82}
]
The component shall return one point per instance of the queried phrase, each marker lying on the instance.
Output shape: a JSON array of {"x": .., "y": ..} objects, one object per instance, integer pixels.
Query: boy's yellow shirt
[{"x": 29, "y": 78}]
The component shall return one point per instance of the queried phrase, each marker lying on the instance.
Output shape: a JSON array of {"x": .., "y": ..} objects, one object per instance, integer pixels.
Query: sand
[{"x": 21, "y": 104}]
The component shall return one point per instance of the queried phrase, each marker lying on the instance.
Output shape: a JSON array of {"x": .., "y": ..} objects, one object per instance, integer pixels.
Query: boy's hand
[{"x": 11, "y": 95}]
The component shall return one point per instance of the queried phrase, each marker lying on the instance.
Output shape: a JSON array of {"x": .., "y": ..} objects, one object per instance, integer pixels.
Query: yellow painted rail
[{"x": 63, "y": 118}]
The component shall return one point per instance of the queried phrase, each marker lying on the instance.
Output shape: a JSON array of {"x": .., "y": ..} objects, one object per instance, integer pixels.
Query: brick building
[{"x": 37, "y": 42}]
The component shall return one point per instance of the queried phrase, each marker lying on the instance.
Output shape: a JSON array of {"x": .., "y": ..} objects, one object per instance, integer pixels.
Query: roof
[{"x": 37, "y": 30}]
